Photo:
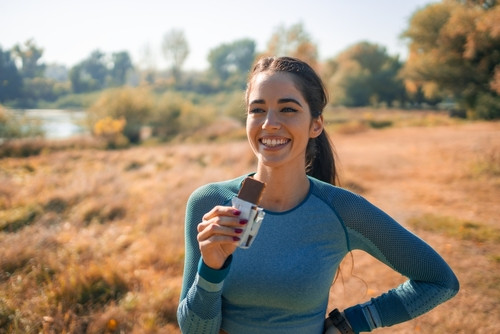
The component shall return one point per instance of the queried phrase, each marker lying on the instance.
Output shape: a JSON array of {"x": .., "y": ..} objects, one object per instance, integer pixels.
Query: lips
[{"x": 274, "y": 142}]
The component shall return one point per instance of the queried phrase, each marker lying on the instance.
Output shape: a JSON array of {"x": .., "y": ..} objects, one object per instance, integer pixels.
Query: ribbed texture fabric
[{"x": 281, "y": 284}]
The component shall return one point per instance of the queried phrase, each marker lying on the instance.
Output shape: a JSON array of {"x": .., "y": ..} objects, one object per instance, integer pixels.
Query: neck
[{"x": 284, "y": 191}]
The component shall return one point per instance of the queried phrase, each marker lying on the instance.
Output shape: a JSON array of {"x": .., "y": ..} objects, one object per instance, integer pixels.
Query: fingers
[
  {"x": 221, "y": 224},
  {"x": 220, "y": 229},
  {"x": 222, "y": 211},
  {"x": 219, "y": 234}
]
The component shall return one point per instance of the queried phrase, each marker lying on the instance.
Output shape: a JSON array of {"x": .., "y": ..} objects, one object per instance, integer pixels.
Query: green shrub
[
  {"x": 73, "y": 101},
  {"x": 235, "y": 107},
  {"x": 14, "y": 126},
  {"x": 165, "y": 118},
  {"x": 132, "y": 104},
  {"x": 380, "y": 124},
  {"x": 487, "y": 107}
]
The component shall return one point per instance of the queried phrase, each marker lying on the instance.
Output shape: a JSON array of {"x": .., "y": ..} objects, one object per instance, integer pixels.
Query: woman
[{"x": 282, "y": 282}]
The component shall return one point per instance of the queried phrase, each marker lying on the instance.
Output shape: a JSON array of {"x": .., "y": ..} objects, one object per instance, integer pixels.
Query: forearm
[
  {"x": 200, "y": 310},
  {"x": 430, "y": 280},
  {"x": 393, "y": 307}
]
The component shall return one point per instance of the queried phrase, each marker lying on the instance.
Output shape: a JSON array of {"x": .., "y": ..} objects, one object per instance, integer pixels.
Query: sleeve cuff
[
  {"x": 356, "y": 318},
  {"x": 214, "y": 275}
]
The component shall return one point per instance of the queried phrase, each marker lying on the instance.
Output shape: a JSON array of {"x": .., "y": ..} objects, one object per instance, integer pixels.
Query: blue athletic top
[{"x": 281, "y": 283}]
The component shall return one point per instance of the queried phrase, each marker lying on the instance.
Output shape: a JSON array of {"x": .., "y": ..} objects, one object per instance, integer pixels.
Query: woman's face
[{"x": 279, "y": 122}]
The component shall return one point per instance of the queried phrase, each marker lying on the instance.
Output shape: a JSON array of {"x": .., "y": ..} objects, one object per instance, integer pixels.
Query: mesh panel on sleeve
[{"x": 370, "y": 229}]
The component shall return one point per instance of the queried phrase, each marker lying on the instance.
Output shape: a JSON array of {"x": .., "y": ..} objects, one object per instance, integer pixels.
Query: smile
[{"x": 274, "y": 142}]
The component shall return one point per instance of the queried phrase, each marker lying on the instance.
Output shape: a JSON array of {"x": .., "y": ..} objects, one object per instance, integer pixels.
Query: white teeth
[{"x": 274, "y": 142}]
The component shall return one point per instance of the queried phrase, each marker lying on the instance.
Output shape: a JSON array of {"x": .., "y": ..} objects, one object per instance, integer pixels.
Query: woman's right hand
[{"x": 218, "y": 235}]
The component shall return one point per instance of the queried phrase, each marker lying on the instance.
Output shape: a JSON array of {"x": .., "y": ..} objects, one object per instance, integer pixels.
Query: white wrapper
[{"x": 254, "y": 215}]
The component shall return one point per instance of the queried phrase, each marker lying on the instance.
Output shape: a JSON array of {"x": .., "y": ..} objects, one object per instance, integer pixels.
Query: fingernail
[
  {"x": 238, "y": 230},
  {"x": 236, "y": 239},
  {"x": 236, "y": 212},
  {"x": 243, "y": 222}
]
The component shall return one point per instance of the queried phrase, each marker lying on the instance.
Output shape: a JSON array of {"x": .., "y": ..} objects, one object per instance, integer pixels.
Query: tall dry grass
[{"x": 92, "y": 240}]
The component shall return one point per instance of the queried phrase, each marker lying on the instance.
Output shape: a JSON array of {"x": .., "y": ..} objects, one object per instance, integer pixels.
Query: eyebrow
[{"x": 280, "y": 101}]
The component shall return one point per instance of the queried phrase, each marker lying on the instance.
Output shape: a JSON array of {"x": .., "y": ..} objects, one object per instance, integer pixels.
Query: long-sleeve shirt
[{"x": 281, "y": 283}]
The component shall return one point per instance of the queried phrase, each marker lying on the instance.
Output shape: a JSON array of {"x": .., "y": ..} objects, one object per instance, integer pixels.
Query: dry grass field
[{"x": 91, "y": 241}]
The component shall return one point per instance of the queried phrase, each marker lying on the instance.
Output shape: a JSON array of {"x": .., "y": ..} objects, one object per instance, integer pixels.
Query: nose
[{"x": 272, "y": 121}]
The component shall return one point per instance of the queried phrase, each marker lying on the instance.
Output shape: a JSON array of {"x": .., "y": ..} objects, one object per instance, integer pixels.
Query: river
[{"x": 56, "y": 123}]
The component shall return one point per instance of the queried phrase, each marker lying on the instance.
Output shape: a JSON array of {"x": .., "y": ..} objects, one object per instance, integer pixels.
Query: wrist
[
  {"x": 338, "y": 320},
  {"x": 214, "y": 275}
]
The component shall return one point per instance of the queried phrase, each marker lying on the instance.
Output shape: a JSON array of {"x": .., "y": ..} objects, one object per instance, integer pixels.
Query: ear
[{"x": 316, "y": 127}]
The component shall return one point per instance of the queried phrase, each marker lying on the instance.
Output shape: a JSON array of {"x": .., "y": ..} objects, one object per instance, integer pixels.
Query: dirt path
[{"x": 409, "y": 172}]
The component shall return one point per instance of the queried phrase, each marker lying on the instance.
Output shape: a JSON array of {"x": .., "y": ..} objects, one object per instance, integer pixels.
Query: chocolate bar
[
  {"x": 251, "y": 190},
  {"x": 247, "y": 202}
]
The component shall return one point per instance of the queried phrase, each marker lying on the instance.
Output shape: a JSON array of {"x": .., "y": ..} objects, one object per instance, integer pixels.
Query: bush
[
  {"x": 111, "y": 131},
  {"x": 132, "y": 104},
  {"x": 175, "y": 114},
  {"x": 12, "y": 126},
  {"x": 487, "y": 107},
  {"x": 165, "y": 118}
]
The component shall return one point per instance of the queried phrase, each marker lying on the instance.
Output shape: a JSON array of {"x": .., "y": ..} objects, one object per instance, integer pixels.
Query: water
[{"x": 57, "y": 124}]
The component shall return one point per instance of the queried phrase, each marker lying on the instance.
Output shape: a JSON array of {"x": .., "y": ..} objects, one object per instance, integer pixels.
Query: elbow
[
  {"x": 455, "y": 285},
  {"x": 450, "y": 287}
]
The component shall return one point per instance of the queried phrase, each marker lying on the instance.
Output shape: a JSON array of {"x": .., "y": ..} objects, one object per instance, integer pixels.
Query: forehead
[{"x": 273, "y": 84}]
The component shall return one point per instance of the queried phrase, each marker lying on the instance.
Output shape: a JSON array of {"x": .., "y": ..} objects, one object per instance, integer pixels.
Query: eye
[
  {"x": 256, "y": 111},
  {"x": 288, "y": 109}
]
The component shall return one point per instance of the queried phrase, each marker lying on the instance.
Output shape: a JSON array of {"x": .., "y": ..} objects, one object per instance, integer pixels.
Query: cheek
[{"x": 251, "y": 125}]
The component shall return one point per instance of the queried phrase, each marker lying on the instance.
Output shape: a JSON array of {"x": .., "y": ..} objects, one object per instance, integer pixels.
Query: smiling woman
[
  {"x": 279, "y": 123},
  {"x": 281, "y": 283}
]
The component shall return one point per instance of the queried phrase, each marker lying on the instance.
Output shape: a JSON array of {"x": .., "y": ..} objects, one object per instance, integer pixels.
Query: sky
[{"x": 69, "y": 30}]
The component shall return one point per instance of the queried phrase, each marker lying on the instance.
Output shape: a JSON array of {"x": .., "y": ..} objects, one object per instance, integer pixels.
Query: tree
[
  {"x": 454, "y": 46},
  {"x": 294, "y": 42},
  {"x": 90, "y": 74},
  {"x": 231, "y": 62},
  {"x": 29, "y": 55},
  {"x": 57, "y": 72},
  {"x": 364, "y": 74},
  {"x": 175, "y": 50},
  {"x": 96, "y": 67},
  {"x": 121, "y": 65},
  {"x": 11, "y": 82}
]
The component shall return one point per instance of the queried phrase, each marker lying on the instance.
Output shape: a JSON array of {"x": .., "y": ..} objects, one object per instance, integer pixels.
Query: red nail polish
[
  {"x": 238, "y": 230},
  {"x": 243, "y": 222},
  {"x": 236, "y": 239},
  {"x": 236, "y": 212}
]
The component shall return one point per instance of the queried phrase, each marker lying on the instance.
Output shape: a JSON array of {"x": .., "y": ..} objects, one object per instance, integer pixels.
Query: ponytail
[{"x": 320, "y": 159}]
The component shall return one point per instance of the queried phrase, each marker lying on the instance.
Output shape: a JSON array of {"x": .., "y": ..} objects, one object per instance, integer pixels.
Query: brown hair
[{"x": 320, "y": 154}]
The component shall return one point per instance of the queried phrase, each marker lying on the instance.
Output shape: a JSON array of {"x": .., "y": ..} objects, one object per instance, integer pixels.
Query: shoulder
[
  {"x": 204, "y": 198},
  {"x": 348, "y": 205},
  {"x": 332, "y": 194},
  {"x": 216, "y": 192}
]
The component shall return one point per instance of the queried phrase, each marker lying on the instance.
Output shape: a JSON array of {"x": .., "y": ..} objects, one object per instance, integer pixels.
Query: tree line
[{"x": 454, "y": 56}]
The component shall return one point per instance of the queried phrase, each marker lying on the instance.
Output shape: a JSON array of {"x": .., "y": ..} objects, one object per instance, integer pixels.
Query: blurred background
[
  {"x": 113, "y": 112},
  {"x": 412, "y": 54}
]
